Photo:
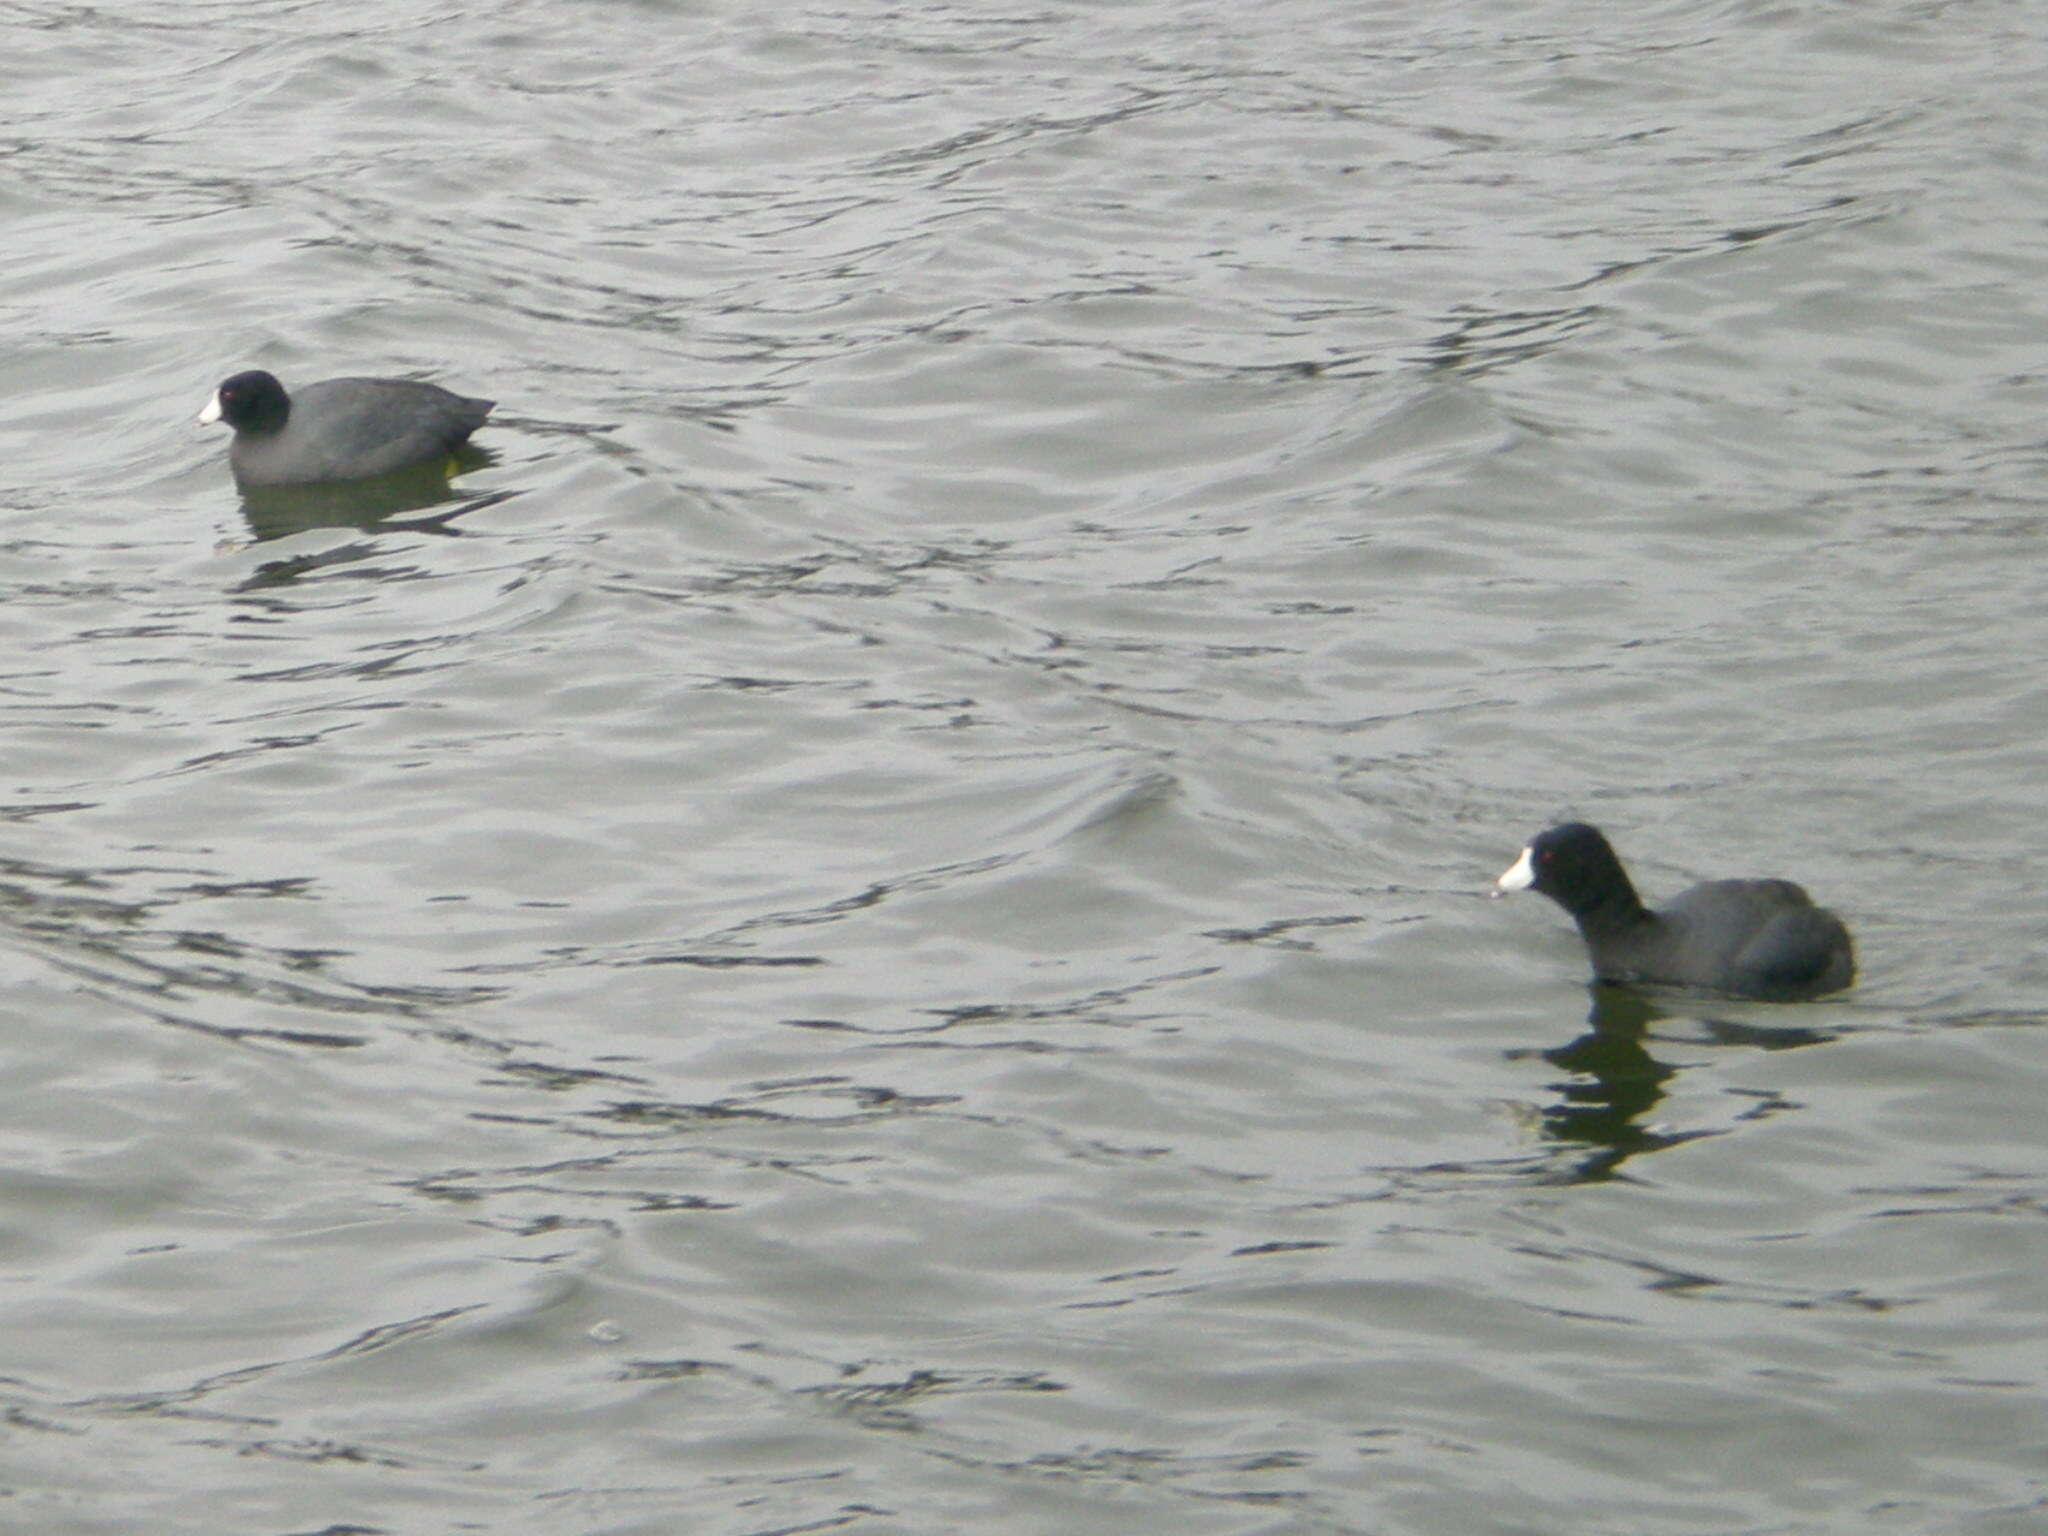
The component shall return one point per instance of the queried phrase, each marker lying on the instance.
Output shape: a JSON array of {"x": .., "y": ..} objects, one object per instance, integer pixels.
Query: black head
[
  {"x": 1575, "y": 866},
  {"x": 252, "y": 402}
]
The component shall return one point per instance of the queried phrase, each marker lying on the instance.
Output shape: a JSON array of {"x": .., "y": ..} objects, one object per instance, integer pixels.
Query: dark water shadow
[
  {"x": 278, "y": 511},
  {"x": 1615, "y": 1081}
]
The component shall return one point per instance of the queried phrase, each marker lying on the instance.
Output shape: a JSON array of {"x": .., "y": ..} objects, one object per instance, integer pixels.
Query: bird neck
[{"x": 1615, "y": 910}]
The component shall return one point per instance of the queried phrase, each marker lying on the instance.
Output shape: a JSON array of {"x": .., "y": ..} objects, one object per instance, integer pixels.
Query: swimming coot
[
  {"x": 339, "y": 429},
  {"x": 1758, "y": 938}
]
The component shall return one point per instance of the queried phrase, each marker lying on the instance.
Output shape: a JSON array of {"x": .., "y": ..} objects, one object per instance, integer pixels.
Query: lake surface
[{"x": 878, "y": 923}]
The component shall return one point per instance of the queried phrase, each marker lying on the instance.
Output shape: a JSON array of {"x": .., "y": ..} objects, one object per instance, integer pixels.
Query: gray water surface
[{"x": 876, "y": 923}]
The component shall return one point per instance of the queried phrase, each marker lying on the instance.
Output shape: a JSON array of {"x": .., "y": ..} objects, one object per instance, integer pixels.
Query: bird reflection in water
[
  {"x": 1615, "y": 1080},
  {"x": 374, "y": 505}
]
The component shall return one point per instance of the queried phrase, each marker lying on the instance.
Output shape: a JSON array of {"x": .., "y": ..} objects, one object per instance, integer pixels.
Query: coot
[
  {"x": 1757, "y": 938},
  {"x": 339, "y": 429}
]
